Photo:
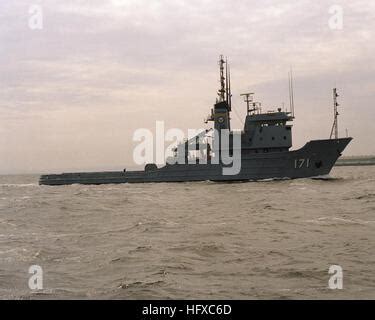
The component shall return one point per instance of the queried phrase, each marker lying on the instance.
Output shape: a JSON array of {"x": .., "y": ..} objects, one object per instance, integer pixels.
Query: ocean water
[{"x": 255, "y": 240}]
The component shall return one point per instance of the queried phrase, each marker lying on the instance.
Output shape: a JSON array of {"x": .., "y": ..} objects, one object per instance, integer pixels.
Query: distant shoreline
[{"x": 356, "y": 161}]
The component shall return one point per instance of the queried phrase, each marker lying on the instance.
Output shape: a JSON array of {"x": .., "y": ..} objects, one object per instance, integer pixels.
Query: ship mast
[
  {"x": 291, "y": 92},
  {"x": 335, "y": 126},
  {"x": 248, "y": 98},
  {"x": 255, "y": 106},
  {"x": 228, "y": 89},
  {"x": 225, "y": 91},
  {"x": 222, "y": 91}
]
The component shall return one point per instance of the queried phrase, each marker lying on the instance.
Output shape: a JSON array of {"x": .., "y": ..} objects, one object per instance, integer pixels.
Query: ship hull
[{"x": 316, "y": 158}]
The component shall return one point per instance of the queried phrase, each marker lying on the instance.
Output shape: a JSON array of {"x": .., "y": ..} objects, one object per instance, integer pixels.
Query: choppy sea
[{"x": 255, "y": 240}]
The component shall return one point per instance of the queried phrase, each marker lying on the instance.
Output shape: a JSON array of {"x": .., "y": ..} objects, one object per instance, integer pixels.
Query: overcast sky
[{"x": 73, "y": 92}]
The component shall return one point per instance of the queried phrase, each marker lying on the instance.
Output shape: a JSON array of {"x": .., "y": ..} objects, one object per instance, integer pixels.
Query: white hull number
[{"x": 301, "y": 163}]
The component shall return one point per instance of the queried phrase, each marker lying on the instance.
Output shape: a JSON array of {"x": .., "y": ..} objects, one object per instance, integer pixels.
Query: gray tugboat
[{"x": 263, "y": 149}]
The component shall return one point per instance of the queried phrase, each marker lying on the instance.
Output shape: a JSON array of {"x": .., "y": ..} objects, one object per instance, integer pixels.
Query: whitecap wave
[{"x": 19, "y": 185}]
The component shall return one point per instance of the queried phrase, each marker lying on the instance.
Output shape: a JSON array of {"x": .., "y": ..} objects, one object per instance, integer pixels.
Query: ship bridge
[{"x": 265, "y": 131}]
